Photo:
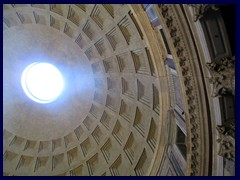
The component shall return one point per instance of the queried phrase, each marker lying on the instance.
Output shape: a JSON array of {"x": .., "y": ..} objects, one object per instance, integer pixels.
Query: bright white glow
[{"x": 42, "y": 82}]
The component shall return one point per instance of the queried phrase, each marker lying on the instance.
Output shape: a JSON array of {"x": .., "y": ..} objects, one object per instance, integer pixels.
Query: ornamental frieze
[{"x": 190, "y": 89}]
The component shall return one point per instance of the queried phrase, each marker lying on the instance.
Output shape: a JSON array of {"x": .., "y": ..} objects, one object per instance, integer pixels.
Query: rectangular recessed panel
[
  {"x": 152, "y": 135},
  {"x": 138, "y": 122},
  {"x": 72, "y": 156},
  {"x": 77, "y": 171},
  {"x": 39, "y": 19},
  {"x": 24, "y": 18},
  {"x": 105, "y": 120},
  {"x": 126, "y": 110},
  {"x": 73, "y": 16},
  {"x": 115, "y": 167},
  {"x": 98, "y": 135},
  {"x": 97, "y": 16},
  {"x": 112, "y": 103},
  {"x": 140, "y": 168},
  {"x": 86, "y": 146},
  {"x": 143, "y": 94},
  {"x": 129, "y": 148},
  {"x": 56, "y": 8},
  {"x": 93, "y": 164},
  {"x": 106, "y": 150},
  {"x": 128, "y": 87},
  {"x": 110, "y": 65},
  {"x": 118, "y": 132},
  {"x": 88, "y": 30},
  {"x": 68, "y": 30},
  {"x": 125, "y": 62},
  {"x": 54, "y": 22},
  {"x": 109, "y": 8},
  {"x": 156, "y": 106}
]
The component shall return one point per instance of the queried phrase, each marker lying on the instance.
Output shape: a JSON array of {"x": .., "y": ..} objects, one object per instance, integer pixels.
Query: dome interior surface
[{"x": 105, "y": 119}]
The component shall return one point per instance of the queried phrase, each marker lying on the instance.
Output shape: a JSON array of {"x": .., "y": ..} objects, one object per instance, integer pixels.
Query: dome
[{"x": 135, "y": 97}]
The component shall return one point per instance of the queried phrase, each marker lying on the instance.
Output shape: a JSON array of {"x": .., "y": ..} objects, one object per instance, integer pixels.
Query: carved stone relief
[
  {"x": 227, "y": 140},
  {"x": 222, "y": 76},
  {"x": 200, "y": 9}
]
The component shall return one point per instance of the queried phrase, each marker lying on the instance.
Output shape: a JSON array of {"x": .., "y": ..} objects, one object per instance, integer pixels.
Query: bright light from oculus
[{"x": 42, "y": 82}]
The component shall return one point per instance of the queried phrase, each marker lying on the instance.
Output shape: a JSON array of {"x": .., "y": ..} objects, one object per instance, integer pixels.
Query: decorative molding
[{"x": 180, "y": 48}]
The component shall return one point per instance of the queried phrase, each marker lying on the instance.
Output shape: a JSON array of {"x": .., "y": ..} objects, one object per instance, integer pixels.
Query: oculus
[{"x": 42, "y": 82}]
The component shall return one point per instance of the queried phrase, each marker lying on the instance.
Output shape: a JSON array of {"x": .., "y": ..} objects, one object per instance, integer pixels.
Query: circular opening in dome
[{"x": 42, "y": 82}]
